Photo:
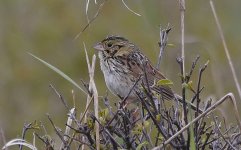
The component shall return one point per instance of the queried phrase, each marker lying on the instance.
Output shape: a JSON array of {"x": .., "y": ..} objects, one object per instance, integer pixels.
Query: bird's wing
[
  {"x": 140, "y": 66},
  {"x": 164, "y": 90}
]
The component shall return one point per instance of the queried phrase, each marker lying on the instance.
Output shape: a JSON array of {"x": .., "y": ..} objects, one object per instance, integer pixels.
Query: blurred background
[{"x": 48, "y": 30}]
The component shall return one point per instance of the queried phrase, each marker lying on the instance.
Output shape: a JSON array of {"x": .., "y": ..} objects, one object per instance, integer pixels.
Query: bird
[{"x": 123, "y": 64}]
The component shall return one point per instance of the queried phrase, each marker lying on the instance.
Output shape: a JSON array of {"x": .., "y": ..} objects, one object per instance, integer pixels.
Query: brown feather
[
  {"x": 153, "y": 75},
  {"x": 129, "y": 63}
]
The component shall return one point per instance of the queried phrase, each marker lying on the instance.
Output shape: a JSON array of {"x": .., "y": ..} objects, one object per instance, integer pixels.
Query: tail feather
[{"x": 179, "y": 98}]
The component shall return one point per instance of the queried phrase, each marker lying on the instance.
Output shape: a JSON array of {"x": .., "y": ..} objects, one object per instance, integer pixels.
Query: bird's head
[{"x": 114, "y": 46}]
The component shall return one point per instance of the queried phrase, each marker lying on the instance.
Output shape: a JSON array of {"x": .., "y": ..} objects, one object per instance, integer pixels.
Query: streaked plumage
[{"x": 122, "y": 63}]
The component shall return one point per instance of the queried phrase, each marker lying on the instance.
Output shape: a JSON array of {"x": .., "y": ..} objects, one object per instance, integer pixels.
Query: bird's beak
[{"x": 99, "y": 47}]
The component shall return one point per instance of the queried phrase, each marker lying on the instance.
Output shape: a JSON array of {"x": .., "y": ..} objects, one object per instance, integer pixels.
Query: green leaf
[
  {"x": 35, "y": 125},
  {"x": 90, "y": 123},
  {"x": 160, "y": 137},
  {"x": 158, "y": 117},
  {"x": 171, "y": 45},
  {"x": 164, "y": 82},
  {"x": 102, "y": 120},
  {"x": 184, "y": 85},
  {"x": 188, "y": 86},
  {"x": 137, "y": 129},
  {"x": 104, "y": 112},
  {"x": 141, "y": 145},
  {"x": 58, "y": 71},
  {"x": 146, "y": 124}
]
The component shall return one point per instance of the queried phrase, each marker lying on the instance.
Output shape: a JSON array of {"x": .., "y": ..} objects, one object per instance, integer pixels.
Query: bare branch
[
  {"x": 210, "y": 109},
  {"x": 163, "y": 42},
  {"x": 56, "y": 129},
  {"x": 60, "y": 96}
]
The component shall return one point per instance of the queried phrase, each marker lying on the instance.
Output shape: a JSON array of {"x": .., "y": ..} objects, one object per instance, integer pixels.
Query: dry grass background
[{"x": 48, "y": 29}]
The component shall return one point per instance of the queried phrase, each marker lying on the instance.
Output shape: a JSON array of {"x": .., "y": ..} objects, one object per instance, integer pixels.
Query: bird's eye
[{"x": 109, "y": 45}]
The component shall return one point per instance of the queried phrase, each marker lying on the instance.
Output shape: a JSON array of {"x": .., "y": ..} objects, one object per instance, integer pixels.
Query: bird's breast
[{"x": 118, "y": 81}]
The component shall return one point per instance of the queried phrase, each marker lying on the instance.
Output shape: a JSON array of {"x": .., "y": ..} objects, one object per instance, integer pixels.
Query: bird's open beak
[{"x": 99, "y": 47}]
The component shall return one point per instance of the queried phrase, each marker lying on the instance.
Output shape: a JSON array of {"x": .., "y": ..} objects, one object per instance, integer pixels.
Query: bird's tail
[{"x": 194, "y": 107}]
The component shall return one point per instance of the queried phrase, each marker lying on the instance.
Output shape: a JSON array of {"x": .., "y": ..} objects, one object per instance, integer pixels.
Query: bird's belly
[{"x": 118, "y": 83}]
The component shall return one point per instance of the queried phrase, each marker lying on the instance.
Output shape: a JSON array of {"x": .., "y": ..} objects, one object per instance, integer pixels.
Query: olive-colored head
[{"x": 113, "y": 46}]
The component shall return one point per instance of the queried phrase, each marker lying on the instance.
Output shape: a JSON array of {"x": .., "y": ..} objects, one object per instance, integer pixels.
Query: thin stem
[
  {"x": 182, "y": 11},
  {"x": 226, "y": 49}
]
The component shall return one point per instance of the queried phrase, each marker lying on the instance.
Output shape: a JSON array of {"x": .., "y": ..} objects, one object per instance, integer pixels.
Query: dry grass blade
[
  {"x": 182, "y": 11},
  {"x": 130, "y": 9},
  {"x": 93, "y": 89},
  {"x": 19, "y": 142},
  {"x": 59, "y": 72},
  {"x": 2, "y": 137},
  {"x": 86, "y": 9},
  {"x": 183, "y": 70},
  {"x": 90, "y": 21},
  {"x": 34, "y": 139},
  {"x": 226, "y": 49}
]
